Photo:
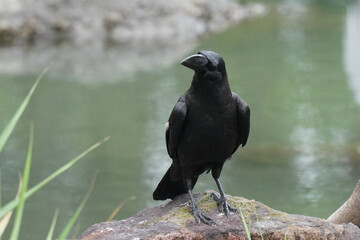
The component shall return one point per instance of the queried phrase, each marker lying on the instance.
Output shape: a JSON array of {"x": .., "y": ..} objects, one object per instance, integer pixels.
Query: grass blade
[
  {"x": 4, "y": 136},
  {"x": 70, "y": 224},
  {"x": 26, "y": 174},
  {"x": 257, "y": 219},
  {"x": 245, "y": 226},
  {"x": 5, "y": 220},
  {"x": 11, "y": 205},
  {"x": 52, "y": 227},
  {"x": 117, "y": 209}
]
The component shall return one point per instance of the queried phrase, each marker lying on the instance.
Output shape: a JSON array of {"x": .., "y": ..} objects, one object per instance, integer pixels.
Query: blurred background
[{"x": 115, "y": 72}]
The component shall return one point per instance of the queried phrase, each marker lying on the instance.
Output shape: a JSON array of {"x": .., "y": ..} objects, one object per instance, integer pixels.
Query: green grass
[
  {"x": 25, "y": 182},
  {"x": 19, "y": 201},
  {"x": 70, "y": 224},
  {"x": 4, "y": 136},
  {"x": 257, "y": 219},
  {"x": 13, "y": 204},
  {"x": 248, "y": 234},
  {"x": 245, "y": 226},
  {"x": 52, "y": 227}
]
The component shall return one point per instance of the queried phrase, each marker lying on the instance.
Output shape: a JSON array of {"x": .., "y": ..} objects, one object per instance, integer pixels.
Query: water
[{"x": 297, "y": 68}]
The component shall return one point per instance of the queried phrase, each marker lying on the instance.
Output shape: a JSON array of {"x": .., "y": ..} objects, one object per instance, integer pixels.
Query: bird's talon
[
  {"x": 223, "y": 205},
  {"x": 233, "y": 210},
  {"x": 200, "y": 217},
  {"x": 215, "y": 197}
]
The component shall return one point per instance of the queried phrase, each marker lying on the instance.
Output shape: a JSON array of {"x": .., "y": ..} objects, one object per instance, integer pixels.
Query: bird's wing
[
  {"x": 243, "y": 121},
  {"x": 175, "y": 125}
]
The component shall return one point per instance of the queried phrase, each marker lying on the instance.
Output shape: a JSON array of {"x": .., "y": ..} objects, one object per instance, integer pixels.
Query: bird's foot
[
  {"x": 200, "y": 217},
  {"x": 223, "y": 205}
]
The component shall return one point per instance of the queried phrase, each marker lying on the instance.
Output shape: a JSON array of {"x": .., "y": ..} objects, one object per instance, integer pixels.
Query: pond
[{"x": 298, "y": 69}]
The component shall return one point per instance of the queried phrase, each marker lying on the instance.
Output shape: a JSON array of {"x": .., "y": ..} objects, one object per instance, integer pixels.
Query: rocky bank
[
  {"x": 174, "y": 221},
  {"x": 91, "y": 40},
  {"x": 113, "y": 21}
]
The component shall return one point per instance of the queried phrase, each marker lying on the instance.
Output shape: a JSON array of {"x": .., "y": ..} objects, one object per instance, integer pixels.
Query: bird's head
[{"x": 207, "y": 65}]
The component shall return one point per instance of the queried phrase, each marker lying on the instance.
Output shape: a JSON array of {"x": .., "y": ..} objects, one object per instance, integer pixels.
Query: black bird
[{"x": 206, "y": 126}]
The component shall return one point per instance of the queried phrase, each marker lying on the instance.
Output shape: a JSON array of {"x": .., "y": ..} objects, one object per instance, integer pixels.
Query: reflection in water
[
  {"x": 156, "y": 161},
  {"x": 100, "y": 65},
  {"x": 307, "y": 135},
  {"x": 304, "y": 136},
  {"x": 305, "y": 162},
  {"x": 352, "y": 49}
]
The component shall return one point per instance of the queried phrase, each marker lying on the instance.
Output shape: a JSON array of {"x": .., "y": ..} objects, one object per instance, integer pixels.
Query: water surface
[{"x": 297, "y": 67}]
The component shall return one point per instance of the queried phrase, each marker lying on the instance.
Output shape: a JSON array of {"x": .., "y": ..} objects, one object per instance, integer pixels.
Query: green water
[{"x": 291, "y": 66}]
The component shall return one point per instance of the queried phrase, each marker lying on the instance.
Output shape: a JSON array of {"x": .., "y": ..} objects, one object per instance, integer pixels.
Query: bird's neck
[{"x": 214, "y": 90}]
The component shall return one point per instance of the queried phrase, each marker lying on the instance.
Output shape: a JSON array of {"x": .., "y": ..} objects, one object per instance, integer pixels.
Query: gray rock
[
  {"x": 120, "y": 21},
  {"x": 174, "y": 221},
  {"x": 95, "y": 41}
]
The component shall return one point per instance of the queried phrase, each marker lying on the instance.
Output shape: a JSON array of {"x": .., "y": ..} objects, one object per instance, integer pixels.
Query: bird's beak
[{"x": 195, "y": 61}]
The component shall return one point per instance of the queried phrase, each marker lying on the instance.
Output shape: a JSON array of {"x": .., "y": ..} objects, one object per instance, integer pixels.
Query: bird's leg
[
  {"x": 223, "y": 205},
  {"x": 222, "y": 202},
  {"x": 198, "y": 215}
]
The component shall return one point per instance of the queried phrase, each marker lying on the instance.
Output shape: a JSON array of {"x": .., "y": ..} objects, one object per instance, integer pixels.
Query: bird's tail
[{"x": 170, "y": 189}]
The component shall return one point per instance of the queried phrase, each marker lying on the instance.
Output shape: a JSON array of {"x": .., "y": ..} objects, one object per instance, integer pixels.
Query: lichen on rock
[{"x": 175, "y": 221}]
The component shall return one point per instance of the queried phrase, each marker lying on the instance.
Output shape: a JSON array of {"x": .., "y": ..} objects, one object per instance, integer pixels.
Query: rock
[
  {"x": 158, "y": 20},
  {"x": 95, "y": 41},
  {"x": 29, "y": 30},
  {"x": 174, "y": 221},
  {"x": 7, "y": 33},
  {"x": 112, "y": 19},
  {"x": 61, "y": 25}
]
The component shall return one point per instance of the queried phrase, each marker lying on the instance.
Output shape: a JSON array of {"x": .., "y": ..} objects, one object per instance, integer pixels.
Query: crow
[{"x": 206, "y": 126}]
